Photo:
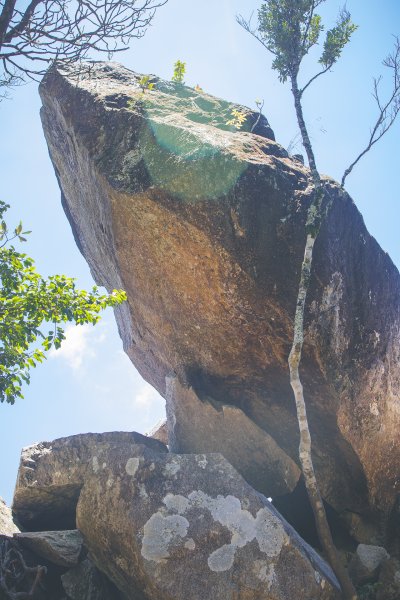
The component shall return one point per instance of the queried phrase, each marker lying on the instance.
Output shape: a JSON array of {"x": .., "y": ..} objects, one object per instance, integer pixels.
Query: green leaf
[
  {"x": 29, "y": 303},
  {"x": 337, "y": 38}
]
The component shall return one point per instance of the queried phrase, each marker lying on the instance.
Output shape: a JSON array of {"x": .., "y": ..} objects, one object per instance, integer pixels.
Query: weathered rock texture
[
  {"x": 366, "y": 563},
  {"x": 191, "y": 421},
  {"x": 189, "y": 526},
  {"x": 204, "y": 229},
  {"x": 62, "y": 548},
  {"x": 86, "y": 582},
  {"x": 51, "y": 475},
  {"x": 7, "y": 524},
  {"x": 163, "y": 526}
]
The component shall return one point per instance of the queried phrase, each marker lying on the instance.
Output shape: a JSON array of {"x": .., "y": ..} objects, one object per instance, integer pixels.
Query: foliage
[
  {"x": 238, "y": 118},
  {"x": 290, "y": 29},
  {"x": 179, "y": 71},
  {"x": 28, "y": 302},
  {"x": 145, "y": 84},
  {"x": 337, "y": 38},
  {"x": 34, "y": 33}
]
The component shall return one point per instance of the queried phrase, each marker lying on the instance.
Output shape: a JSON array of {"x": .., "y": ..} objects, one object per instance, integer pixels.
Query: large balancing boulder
[{"x": 203, "y": 226}]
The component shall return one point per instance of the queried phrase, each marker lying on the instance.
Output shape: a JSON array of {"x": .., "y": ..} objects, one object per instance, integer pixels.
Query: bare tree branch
[
  {"x": 247, "y": 26},
  {"x": 18, "y": 581},
  {"x": 388, "y": 110},
  {"x": 310, "y": 81},
  {"x": 42, "y": 31}
]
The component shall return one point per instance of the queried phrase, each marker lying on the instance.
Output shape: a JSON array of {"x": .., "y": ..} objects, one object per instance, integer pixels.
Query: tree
[
  {"x": 289, "y": 30},
  {"x": 37, "y": 32},
  {"x": 27, "y": 302}
]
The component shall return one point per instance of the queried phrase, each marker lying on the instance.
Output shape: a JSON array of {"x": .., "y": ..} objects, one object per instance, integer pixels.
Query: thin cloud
[
  {"x": 146, "y": 396},
  {"x": 77, "y": 346}
]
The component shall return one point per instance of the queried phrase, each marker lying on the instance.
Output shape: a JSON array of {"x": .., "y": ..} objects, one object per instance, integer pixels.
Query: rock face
[
  {"x": 204, "y": 229},
  {"x": 7, "y": 525},
  {"x": 366, "y": 562},
  {"x": 191, "y": 421},
  {"x": 85, "y": 582},
  {"x": 164, "y": 526},
  {"x": 51, "y": 475},
  {"x": 62, "y": 548}
]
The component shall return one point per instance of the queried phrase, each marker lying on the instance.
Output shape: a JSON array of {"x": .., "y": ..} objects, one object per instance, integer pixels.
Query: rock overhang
[{"x": 204, "y": 228}]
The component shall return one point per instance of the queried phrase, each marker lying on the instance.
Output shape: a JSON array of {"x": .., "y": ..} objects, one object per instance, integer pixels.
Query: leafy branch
[{"x": 27, "y": 303}]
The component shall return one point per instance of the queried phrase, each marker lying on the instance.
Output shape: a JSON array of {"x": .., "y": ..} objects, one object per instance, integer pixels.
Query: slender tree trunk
[
  {"x": 5, "y": 18},
  {"x": 314, "y": 218}
]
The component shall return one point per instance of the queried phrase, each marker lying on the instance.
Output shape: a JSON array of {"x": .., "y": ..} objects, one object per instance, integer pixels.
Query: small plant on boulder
[
  {"x": 179, "y": 71},
  {"x": 238, "y": 118},
  {"x": 145, "y": 83}
]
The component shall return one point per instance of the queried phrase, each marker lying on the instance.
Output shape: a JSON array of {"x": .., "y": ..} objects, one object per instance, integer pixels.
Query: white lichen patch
[
  {"x": 159, "y": 532},
  {"x": 172, "y": 467},
  {"x": 222, "y": 559},
  {"x": 142, "y": 491},
  {"x": 264, "y": 572},
  {"x": 373, "y": 408},
  {"x": 265, "y": 528},
  {"x": 319, "y": 579},
  {"x": 176, "y": 503},
  {"x": 190, "y": 544},
  {"x": 95, "y": 464},
  {"x": 270, "y": 534},
  {"x": 330, "y": 307},
  {"x": 201, "y": 460},
  {"x": 132, "y": 466}
]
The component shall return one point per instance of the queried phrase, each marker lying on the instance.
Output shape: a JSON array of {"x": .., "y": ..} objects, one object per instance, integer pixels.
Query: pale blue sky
[{"x": 91, "y": 385}]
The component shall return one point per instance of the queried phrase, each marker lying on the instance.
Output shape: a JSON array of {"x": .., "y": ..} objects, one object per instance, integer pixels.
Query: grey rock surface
[
  {"x": 389, "y": 580},
  {"x": 62, "y": 548},
  {"x": 7, "y": 524},
  {"x": 159, "y": 432},
  {"x": 191, "y": 421},
  {"x": 204, "y": 229},
  {"x": 51, "y": 475},
  {"x": 366, "y": 562},
  {"x": 86, "y": 582},
  {"x": 189, "y": 526}
]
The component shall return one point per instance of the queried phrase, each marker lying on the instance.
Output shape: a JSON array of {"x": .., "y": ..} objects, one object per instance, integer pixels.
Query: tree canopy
[{"x": 28, "y": 304}]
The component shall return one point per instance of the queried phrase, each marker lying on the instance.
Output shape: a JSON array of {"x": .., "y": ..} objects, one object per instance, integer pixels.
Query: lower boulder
[
  {"x": 162, "y": 526},
  {"x": 61, "y": 548},
  {"x": 173, "y": 527},
  {"x": 85, "y": 582},
  {"x": 51, "y": 474}
]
